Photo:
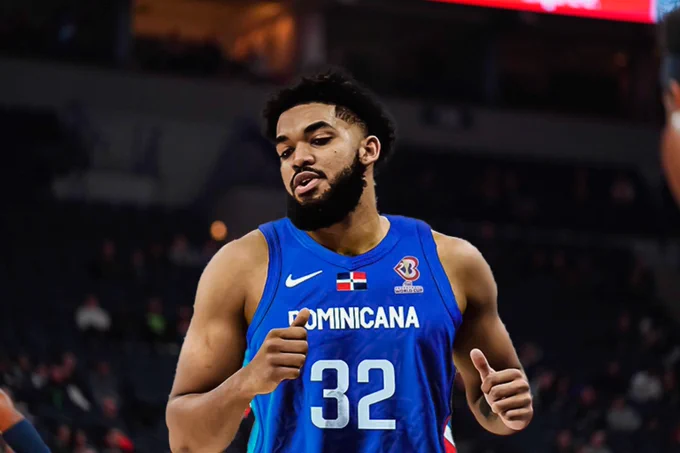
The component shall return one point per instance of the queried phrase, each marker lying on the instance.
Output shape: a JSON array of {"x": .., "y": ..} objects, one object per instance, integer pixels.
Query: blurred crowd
[{"x": 74, "y": 383}]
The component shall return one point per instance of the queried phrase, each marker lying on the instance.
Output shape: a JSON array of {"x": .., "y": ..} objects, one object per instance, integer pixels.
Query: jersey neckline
[{"x": 350, "y": 262}]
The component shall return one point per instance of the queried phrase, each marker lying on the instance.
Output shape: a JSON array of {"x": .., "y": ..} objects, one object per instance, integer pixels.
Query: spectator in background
[
  {"x": 645, "y": 387},
  {"x": 18, "y": 374},
  {"x": 76, "y": 387},
  {"x": 62, "y": 441},
  {"x": 81, "y": 443},
  {"x": 670, "y": 387},
  {"x": 564, "y": 442},
  {"x": 156, "y": 324},
  {"x": 530, "y": 354},
  {"x": 39, "y": 377},
  {"x": 110, "y": 416},
  {"x": 117, "y": 442},
  {"x": 91, "y": 318},
  {"x": 138, "y": 266},
  {"x": 564, "y": 398},
  {"x": 56, "y": 389},
  {"x": 103, "y": 384},
  {"x": 675, "y": 438},
  {"x": 598, "y": 443},
  {"x": 106, "y": 266},
  {"x": 624, "y": 337},
  {"x": 65, "y": 396},
  {"x": 588, "y": 416},
  {"x": 611, "y": 382},
  {"x": 622, "y": 417},
  {"x": 654, "y": 440},
  {"x": 182, "y": 254},
  {"x": 545, "y": 389}
]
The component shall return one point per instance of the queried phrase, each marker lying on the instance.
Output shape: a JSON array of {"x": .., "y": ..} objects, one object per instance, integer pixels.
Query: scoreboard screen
[{"x": 645, "y": 11}]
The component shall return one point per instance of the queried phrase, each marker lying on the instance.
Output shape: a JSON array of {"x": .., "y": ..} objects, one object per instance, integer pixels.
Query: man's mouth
[{"x": 305, "y": 182}]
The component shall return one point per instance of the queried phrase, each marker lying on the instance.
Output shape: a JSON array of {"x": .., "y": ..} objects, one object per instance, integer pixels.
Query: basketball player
[
  {"x": 17, "y": 432},
  {"x": 340, "y": 326}
]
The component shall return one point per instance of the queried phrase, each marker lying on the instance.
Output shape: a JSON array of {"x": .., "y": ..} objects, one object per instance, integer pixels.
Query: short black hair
[{"x": 354, "y": 103}]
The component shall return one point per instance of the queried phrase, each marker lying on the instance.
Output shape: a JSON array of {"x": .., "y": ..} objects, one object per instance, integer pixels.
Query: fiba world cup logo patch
[{"x": 408, "y": 270}]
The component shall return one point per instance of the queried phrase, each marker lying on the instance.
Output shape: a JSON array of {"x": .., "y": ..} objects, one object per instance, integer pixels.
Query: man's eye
[
  {"x": 321, "y": 141},
  {"x": 286, "y": 153}
]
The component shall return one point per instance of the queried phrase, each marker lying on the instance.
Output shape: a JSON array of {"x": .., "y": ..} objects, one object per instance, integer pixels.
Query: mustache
[{"x": 319, "y": 173}]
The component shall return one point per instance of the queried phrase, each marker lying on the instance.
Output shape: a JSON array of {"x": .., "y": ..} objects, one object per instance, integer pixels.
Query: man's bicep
[
  {"x": 482, "y": 327},
  {"x": 212, "y": 352},
  {"x": 215, "y": 343}
]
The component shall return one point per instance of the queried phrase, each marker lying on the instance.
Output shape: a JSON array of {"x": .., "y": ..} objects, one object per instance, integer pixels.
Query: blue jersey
[{"x": 379, "y": 371}]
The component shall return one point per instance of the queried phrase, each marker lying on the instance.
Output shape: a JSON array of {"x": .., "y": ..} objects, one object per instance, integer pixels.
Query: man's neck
[{"x": 361, "y": 231}]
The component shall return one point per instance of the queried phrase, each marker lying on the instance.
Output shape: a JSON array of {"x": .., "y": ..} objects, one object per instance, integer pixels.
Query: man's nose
[{"x": 303, "y": 156}]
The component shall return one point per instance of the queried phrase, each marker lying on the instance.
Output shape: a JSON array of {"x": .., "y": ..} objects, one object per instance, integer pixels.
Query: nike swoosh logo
[{"x": 293, "y": 282}]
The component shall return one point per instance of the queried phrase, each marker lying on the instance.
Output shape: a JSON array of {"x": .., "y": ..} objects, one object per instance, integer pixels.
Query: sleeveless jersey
[{"x": 379, "y": 372}]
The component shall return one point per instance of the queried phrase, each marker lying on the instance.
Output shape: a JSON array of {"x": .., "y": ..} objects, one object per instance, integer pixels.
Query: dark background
[{"x": 127, "y": 129}]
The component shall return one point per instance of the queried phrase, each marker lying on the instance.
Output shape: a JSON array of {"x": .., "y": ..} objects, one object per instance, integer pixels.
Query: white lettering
[
  {"x": 412, "y": 318},
  {"x": 397, "y": 317},
  {"x": 341, "y": 318},
  {"x": 366, "y": 324},
  {"x": 552, "y": 5},
  {"x": 292, "y": 315},
  {"x": 325, "y": 316},
  {"x": 381, "y": 319},
  {"x": 346, "y": 318},
  {"x": 311, "y": 323}
]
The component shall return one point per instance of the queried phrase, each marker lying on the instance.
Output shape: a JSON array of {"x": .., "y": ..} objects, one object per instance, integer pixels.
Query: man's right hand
[{"x": 280, "y": 357}]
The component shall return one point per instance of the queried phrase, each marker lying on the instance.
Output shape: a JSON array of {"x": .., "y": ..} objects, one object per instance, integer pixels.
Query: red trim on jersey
[{"x": 449, "y": 445}]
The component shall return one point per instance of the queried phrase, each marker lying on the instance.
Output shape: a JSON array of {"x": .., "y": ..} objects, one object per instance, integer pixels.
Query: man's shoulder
[
  {"x": 239, "y": 259},
  {"x": 251, "y": 249},
  {"x": 456, "y": 253},
  {"x": 468, "y": 271},
  {"x": 234, "y": 274}
]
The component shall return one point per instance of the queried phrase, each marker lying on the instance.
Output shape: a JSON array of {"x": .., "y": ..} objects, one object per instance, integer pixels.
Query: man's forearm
[
  {"x": 207, "y": 421},
  {"x": 485, "y": 416}
]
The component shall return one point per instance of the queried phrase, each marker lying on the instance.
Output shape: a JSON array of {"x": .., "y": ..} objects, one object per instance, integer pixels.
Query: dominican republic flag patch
[{"x": 351, "y": 281}]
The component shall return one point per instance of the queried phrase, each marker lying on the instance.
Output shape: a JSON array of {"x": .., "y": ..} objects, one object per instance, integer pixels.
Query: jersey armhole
[
  {"x": 273, "y": 278},
  {"x": 441, "y": 280}
]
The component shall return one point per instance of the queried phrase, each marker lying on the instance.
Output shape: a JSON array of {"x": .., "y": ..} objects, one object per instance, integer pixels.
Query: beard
[{"x": 340, "y": 200}]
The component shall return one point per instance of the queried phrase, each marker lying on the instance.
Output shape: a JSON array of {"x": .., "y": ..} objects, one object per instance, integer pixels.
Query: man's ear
[{"x": 369, "y": 151}]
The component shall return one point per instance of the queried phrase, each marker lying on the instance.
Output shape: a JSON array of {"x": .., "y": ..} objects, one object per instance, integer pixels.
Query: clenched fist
[
  {"x": 280, "y": 357},
  {"x": 506, "y": 391}
]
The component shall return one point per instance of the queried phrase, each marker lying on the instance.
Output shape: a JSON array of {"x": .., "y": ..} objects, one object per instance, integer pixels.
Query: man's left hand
[{"x": 506, "y": 391}]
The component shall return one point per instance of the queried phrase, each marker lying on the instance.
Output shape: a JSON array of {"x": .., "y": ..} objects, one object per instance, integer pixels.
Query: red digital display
[{"x": 622, "y": 10}]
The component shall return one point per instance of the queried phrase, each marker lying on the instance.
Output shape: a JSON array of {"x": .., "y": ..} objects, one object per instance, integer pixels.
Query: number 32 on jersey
[{"x": 339, "y": 394}]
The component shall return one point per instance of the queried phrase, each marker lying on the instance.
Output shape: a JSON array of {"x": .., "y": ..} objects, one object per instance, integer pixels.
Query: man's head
[{"x": 330, "y": 134}]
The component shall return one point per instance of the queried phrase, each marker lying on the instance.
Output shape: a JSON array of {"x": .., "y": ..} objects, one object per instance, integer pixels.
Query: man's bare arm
[
  {"x": 500, "y": 400},
  {"x": 209, "y": 394}
]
